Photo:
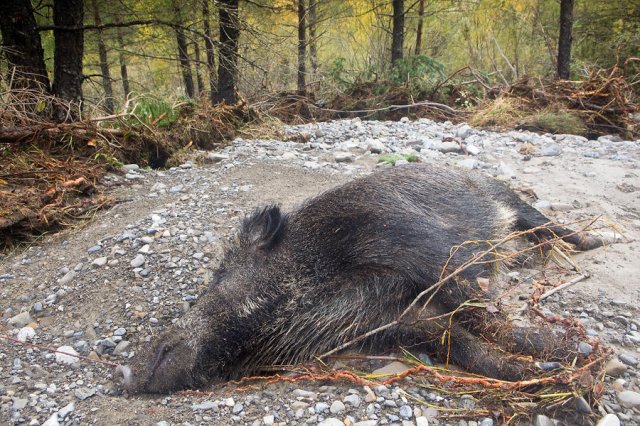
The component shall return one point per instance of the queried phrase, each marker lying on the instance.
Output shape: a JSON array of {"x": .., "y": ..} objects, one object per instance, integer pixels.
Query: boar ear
[{"x": 265, "y": 227}]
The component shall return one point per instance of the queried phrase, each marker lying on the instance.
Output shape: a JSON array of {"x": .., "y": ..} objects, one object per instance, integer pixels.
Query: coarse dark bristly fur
[{"x": 298, "y": 284}]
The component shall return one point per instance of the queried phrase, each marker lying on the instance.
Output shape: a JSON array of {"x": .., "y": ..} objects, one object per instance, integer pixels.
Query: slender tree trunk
[
  {"x": 397, "y": 35},
  {"x": 313, "y": 42},
  {"x": 124, "y": 75},
  {"x": 302, "y": 47},
  {"x": 196, "y": 52},
  {"x": 22, "y": 46},
  {"x": 565, "y": 39},
  {"x": 208, "y": 43},
  {"x": 183, "y": 56},
  {"x": 104, "y": 62},
  {"x": 228, "y": 52},
  {"x": 68, "y": 51},
  {"x": 420, "y": 25}
]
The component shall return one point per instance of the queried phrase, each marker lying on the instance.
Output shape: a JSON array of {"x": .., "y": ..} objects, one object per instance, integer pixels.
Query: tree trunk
[
  {"x": 183, "y": 54},
  {"x": 228, "y": 51},
  {"x": 302, "y": 47},
  {"x": 196, "y": 52},
  {"x": 22, "y": 46},
  {"x": 208, "y": 43},
  {"x": 565, "y": 39},
  {"x": 68, "y": 51},
  {"x": 420, "y": 25},
  {"x": 397, "y": 35},
  {"x": 104, "y": 62},
  {"x": 313, "y": 43},
  {"x": 124, "y": 75}
]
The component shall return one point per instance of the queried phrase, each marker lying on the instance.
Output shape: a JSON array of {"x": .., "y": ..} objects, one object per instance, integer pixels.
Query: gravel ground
[{"x": 103, "y": 289}]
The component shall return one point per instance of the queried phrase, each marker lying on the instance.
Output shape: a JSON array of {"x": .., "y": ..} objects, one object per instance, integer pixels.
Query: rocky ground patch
[{"x": 105, "y": 288}]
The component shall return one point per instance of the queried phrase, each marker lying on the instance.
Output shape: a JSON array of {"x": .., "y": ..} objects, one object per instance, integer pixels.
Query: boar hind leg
[{"x": 454, "y": 342}]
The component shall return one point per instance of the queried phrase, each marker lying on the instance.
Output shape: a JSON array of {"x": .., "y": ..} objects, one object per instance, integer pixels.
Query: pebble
[
  {"x": 629, "y": 399},
  {"x": 268, "y": 420},
  {"x": 628, "y": 359},
  {"x": 609, "y": 420},
  {"x": 321, "y": 407},
  {"x": 422, "y": 421},
  {"x": 551, "y": 151},
  {"x": 343, "y": 157},
  {"x": 20, "y": 320},
  {"x": 353, "y": 400},
  {"x": 585, "y": 349},
  {"x": 138, "y": 261},
  {"x": 331, "y": 421},
  {"x": 406, "y": 412},
  {"x": 67, "y": 278},
  {"x": 206, "y": 405},
  {"x": 486, "y": 422},
  {"x": 336, "y": 407},
  {"x": 100, "y": 261},
  {"x": 26, "y": 333},
  {"x": 615, "y": 368},
  {"x": 237, "y": 408},
  {"x": 67, "y": 357},
  {"x": 305, "y": 394}
]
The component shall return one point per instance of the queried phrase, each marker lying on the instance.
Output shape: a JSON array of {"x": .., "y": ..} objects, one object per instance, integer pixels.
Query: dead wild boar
[{"x": 298, "y": 284}]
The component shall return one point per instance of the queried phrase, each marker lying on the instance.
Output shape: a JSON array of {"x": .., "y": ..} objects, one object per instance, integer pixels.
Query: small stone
[
  {"x": 237, "y": 408},
  {"x": 204, "y": 406},
  {"x": 37, "y": 307},
  {"x": 367, "y": 423},
  {"x": 615, "y": 368},
  {"x": 122, "y": 347},
  {"x": 66, "y": 357},
  {"x": 84, "y": 393},
  {"x": 422, "y": 421},
  {"x": 506, "y": 170},
  {"x": 486, "y": 422},
  {"x": 629, "y": 399},
  {"x": 177, "y": 188},
  {"x": 336, "y": 407},
  {"x": 20, "y": 320},
  {"x": 406, "y": 412},
  {"x": 609, "y": 420},
  {"x": 468, "y": 163},
  {"x": 130, "y": 167},
  {"x": 473, "y": 150},
  {"x": 94, "y": 249},
  {"x": 331, "y": 421},
  {"x": 551, "y": 151},
  {"x": 375, "y": 146},
  {"x": 396, "y": 367},
  {"x": 66, "y": 410},
  {"x": 353, "y": 400},
  {"x": 138, "y": 261},
  {"x": 229, "y": 402},
  {"x": 628, "y": 359},
  {"x": 446, "y": 147},
  {"x": 52, "y": 421},
  {"x": 585, "y": 349},
  {"x": 582, "y": 405},
  {"x": 26, "y": 333},
  {"x": 19, "y": 404},
  {"x": 343, "y": 157},
  {"x": 120, "y": 331},
  {"x": 321, "y": 407},
  {"x": 300, "y": 393},
  {"x": 463, "y": 131},
  {"x": 216, "y": 157},
  {"x": 268, "y": 420},
  {"x": 289, "y": 156},
  {"x": 100, "y": 261},
  {"x": 67, "y": 278},
  {"x": 541, "y": 420}
]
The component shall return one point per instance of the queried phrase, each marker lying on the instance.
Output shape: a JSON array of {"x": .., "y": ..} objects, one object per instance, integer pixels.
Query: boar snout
[{"x": 167, "y": 366}]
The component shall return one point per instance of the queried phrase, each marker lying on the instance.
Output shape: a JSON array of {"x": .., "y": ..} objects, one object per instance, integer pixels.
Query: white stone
[
  {"x": 629, "y": 399},
  {"x": 66, "y": 357},
  {"x": 26, "y": 333},
  {"x": 609, "y": 420}
]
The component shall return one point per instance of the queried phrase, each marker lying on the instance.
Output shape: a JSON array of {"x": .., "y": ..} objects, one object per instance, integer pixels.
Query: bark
[
  {"x": 313, "y": 42},
  {"x": 228, "y": 52},
  {"x": 68, "y": 51},
  {"x": 104, "y": 62},
  {"x": 208, "y": 43},
  {"x": 196, "y": 52},
  {"x": 124, "y": 74},
  {"x": 565, "y": 39},
  {"x": 302, "y": 47},
  {"x": 397, "y": 34},
  {"x": 420, "y": 25},
  {"x": 22, "y": 46},
  {"x": 183, "y": 54}
]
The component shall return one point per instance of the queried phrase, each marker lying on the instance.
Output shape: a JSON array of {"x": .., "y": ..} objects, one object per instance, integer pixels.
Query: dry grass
[{"x": 500, "y": 113}]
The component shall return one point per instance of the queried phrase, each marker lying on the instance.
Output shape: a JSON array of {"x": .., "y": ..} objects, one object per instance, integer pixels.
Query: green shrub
[
  {"x": 157, "y": 111},
  {"x": 392, "y": 158},
  {"x": 417, "y": 67}
]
